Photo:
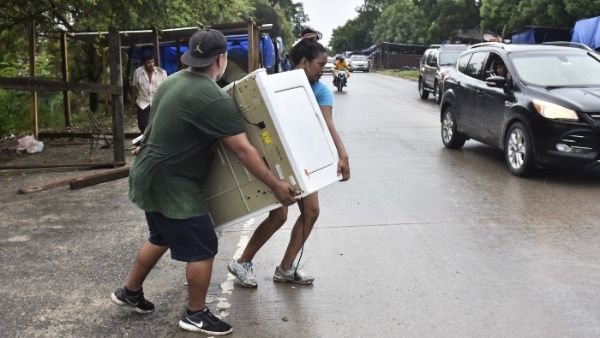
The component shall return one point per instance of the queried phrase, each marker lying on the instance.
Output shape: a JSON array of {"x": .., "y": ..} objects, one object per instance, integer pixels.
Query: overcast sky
[{"x": 325, "y": 15}]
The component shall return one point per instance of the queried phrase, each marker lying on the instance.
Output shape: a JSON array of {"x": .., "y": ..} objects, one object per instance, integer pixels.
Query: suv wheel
[
  {"x": 437, "y": 90},
  {"x": 450, "y": 137},
  {"x": 422, "y": 92},
  {"x": 518, "y": 150}
]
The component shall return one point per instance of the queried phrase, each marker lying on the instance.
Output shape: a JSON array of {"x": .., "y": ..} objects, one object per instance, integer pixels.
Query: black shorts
[{"x": 190, "y": 240}]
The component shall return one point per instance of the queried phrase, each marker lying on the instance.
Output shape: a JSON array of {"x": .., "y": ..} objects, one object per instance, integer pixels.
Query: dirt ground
[{"x": 64, "y": 251}]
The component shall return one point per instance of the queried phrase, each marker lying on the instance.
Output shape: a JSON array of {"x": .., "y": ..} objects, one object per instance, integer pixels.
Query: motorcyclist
[{"x": 340, "y": 64}]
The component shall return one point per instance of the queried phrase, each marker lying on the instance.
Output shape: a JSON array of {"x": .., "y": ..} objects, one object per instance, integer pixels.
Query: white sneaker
[
  {"x": 292, "y": 275},
  {"x": 243, "y": 272}
]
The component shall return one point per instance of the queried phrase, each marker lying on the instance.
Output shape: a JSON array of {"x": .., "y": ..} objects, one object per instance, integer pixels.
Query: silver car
[{"x": 359, "y": 62}]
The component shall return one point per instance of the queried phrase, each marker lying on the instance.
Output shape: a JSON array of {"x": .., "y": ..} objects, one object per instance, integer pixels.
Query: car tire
[
  {"x": 451, "y": 138},
  {"x": 423, "y": 94},
  {"x": 437, "y": 90},
  {"x": 518, "y": 150}
]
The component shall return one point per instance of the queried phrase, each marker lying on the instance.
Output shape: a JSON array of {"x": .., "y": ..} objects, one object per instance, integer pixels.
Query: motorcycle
[{"x": 339, "y": 80}]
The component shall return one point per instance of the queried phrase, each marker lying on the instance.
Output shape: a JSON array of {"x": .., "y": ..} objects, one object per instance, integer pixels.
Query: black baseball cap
[{"x": 204, "y": 48}]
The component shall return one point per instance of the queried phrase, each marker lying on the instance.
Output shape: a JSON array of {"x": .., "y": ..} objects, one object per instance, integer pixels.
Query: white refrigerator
[{"x": 285, "y": 124}]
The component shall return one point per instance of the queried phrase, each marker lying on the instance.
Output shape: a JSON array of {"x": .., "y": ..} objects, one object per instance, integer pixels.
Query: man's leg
[
  {"x": 198, "y": 276},
  {"x": 132, "y": 294},
  {"x": 197, "y": 317},
  {"x": 147, "y": 256}
]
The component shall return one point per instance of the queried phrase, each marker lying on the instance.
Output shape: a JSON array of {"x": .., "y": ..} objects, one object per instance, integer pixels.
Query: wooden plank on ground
[
  {"x": 76, "y": 165},
  {"x": 46, "y": 186},
  {"x": 76, "y": 182},
  {"x": 106, "y": 176}
]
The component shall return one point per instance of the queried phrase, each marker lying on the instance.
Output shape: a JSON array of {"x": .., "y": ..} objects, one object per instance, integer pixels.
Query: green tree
[
  {"x": 355, "y": 33},
  {"x": 451, "y": 15},
  {"x": 401, "y": 22},
  {"x": 52, "y": 16},
  {"x": 294, "y": 12},
  {"x": 513, "y": 15}
]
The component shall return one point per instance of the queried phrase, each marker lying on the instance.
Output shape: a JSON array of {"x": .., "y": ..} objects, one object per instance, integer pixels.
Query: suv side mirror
[{"x": 496, "y": 81}]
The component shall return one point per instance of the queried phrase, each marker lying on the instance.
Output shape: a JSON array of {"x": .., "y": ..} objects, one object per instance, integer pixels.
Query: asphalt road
[{"x": 421, "y": 242}]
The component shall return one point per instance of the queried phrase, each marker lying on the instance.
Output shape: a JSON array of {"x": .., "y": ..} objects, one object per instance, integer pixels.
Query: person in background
[
  {"x": 501, "y": 70},
  {"x": 190, "y": 112},
  {"x": 287, "y": 65},
  {"x": 146, "y": 79},
  {"x": 311, "y": 57},
  {"x": 340, "y": 65}
]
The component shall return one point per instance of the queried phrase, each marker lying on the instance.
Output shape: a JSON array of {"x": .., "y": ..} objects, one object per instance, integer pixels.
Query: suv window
[
  {"x": 429, "y": 55},
  {"x": 475, "y": 66},
  {"x": 448, "y": 58},
  {"x": 424, "y": 58},
  {"x": 434, "y": 57},
  {"x": 463, "y": 61}
]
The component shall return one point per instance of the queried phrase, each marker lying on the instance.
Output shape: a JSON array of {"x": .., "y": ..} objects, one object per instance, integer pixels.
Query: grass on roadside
[{"x": 405, "y": 74}]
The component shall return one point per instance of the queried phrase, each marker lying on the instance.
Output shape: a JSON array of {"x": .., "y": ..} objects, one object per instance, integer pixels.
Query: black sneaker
[
  {"x": 137, "y": 301},
  {"x": 205, "y": 322}
]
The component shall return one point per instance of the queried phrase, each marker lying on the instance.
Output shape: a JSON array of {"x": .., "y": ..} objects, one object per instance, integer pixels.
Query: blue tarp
[
  {"x": 533, "y": 35},
  {"x": 237, "y": 50},
  {"x": 526, "y": 36},
  {"x": 587, "y": 31}
]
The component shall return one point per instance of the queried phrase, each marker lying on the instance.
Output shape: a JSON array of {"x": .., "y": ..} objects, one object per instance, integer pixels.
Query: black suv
[
  {"x": 540, "y": 104},
  {"x": 434, "y": 65}
]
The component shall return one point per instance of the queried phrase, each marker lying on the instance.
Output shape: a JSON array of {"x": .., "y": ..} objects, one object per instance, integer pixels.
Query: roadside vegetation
[
  {"x": 412, "y": 74},
  {"x": 86, "y": 59},
  {"x": 432, "y": 21}
]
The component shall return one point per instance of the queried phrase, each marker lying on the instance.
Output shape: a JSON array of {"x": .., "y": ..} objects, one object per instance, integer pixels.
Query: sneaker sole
[
  {"x": 194, "y": 328},
  {"x": 246, "y": 285},
  {"x": 285, "y": 280},
  {"x": 119, "y": 302}
]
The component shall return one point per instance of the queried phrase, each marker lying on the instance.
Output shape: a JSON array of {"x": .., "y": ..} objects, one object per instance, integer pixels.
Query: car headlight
[{"x": 553, "y": 111}]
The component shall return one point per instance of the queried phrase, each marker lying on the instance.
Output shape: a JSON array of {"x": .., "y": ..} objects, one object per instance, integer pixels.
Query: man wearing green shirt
[{"x": 167, "y": 180}]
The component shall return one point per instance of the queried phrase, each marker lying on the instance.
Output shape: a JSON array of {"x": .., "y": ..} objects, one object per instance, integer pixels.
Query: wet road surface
[{"x": 425, "y": 241}]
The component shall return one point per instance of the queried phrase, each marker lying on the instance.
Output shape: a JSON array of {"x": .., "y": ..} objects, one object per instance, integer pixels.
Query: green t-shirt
[{"x": 189, "y": 113}]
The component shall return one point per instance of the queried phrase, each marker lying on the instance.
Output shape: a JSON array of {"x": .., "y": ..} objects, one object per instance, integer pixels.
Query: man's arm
[
  {"x": 134, "y": 91},
  {"x": 239, "y": 144}
]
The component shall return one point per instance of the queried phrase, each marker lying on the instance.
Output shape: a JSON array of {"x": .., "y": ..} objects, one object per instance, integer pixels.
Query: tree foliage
[
  {"x": 433, "y": 21},
  {"x": 513, "y": 15},
  {"x": 52, "y": 16},
  {"x": 401, "y": 22},
  {"x": 294, "y": 12}
]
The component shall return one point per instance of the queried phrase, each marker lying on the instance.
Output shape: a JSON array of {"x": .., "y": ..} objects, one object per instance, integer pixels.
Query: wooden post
[
  {"x": 116, "y": 80},
  {"x": 156, "y": 46},
  {"x": 127, "y": 84},
  {"x": 253, "y": 44},
  {"x": 65, "y": 77},
  {"x": 34, "y": 110},
  {"x": 105, "y": 96}
]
